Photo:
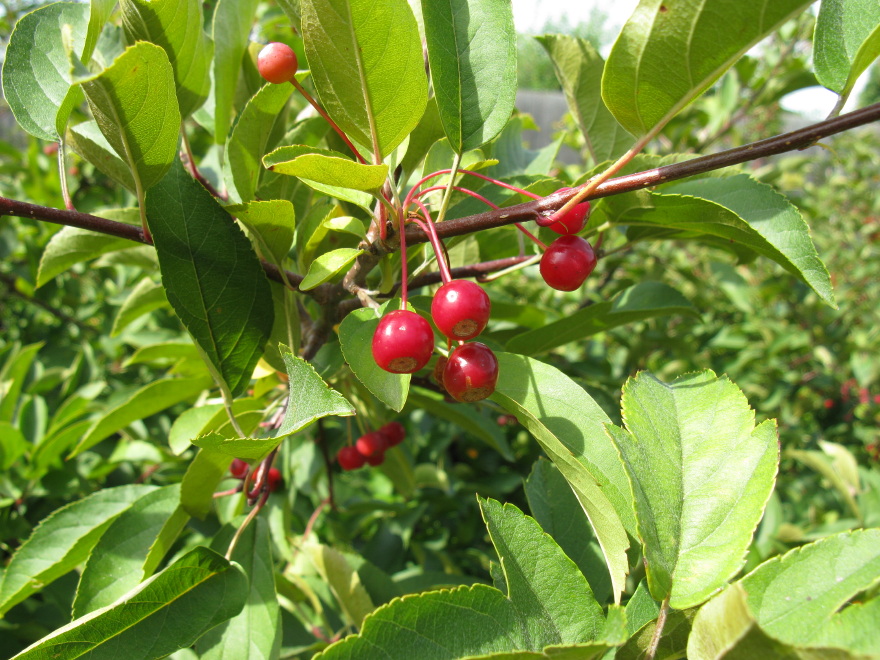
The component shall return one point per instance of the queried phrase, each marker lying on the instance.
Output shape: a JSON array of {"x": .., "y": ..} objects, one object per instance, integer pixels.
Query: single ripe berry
[
  {"x": 403, "y": 342},
  {"x": 376, "y": 459},
  {"x": 277, "y": 63},
  {"x": 471, "y": 372},
  {"x": 371, "y": 444},
  {"x": 239, "y": 468},
  {"x": 274, "y": 479},
  {"x": 567, "y": 263},
  {"x": 394, "y": 432},
  {"x": 573, "y": 221},
  {"x": 350, "y": 458},
  {"x": 460, "y": 309}
]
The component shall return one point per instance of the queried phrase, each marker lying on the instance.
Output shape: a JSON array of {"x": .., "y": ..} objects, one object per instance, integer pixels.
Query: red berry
[
  {"x": 376, "y": 459},
  {"x": 471, "y": 372},
  {"x": 274, "y": 480},
  {"x": 573, "y": 221},
  {"x": 350, "y": 458},
  {"x": 460, "y": 309},
  {"x": 239, "y": 468},
  {"x": 372, "y": 443},
  {"x": 394, "y": 432},
  {"x": 277, "y": 63},
  {"x": 828, "y": 403},
  {"x": 567, "y": 263},
  {"x": 403, "y": 342}
]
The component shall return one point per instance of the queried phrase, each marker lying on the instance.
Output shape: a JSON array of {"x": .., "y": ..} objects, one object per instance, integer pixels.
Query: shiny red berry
[
  {"x": 376, "y": 459},
  {"x": 403, "y": 342},
  {"x": 277, "y": 63},
  {"x": 371, "y": 444},
  {"x": 573, "y": 221},
  {"x": 274, "y": 479},
  {"x": 394, "y": 432},
  {"x": 239, "y": 468},
  {"x": 350, "y": 458},
  {"x": 471, "y": 372},
  {"x": 567, "y": 263},
  {"x": 460, "y": 309}
]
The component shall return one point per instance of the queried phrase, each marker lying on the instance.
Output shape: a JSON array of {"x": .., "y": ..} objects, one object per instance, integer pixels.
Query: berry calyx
[
  {"x": 460, "y": 309},
  {"x": 394, "y": 433},
  {"x": 239, "y": 468},
  {"x": 573, "y": 221},
  {"x": 371, "y": 444},
  {"x": 567, "y": 263},
  {"x": 274, "y": 479},
  {"x": 277, "y": 63},
  {"x": 403, "y": 342},
  {"x": 471, "y": 372},
  {"x": 350, "y": 458}
]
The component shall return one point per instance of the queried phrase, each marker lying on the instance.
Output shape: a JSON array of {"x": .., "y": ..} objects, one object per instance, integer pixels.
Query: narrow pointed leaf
[
  {"x": 471, "y": 49},
  {"x": 310, "y": 397},
  {"x": 212, "y": 277},
  {"x": 100, "y": 12},
  {"x": 570, "y": 427},
  {"x": 167, "y": 612},
  {"x": 230, "y": 30},
  {"x": 366, "y": 61},
  {"x": 695, "y": 39},
  {"x": 701, "y": 473},
  {"x": 327, "y": 167},
  {"x": 327, "y": 266},
  {"x": 37, "y": 73},
  {"x": 200, "y": 480},
  {"x": 846, "y": 41}
]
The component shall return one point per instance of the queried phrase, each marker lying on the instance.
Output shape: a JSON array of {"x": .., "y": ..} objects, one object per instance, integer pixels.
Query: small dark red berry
[
  {"x": 350, "y": 458},
  {"x": 403, "y": 342},
  {"x": 437, "y": 374},
  {"x": 372, "y": 443},
  {"x": 239, "y": 468},
  {"x": 376, "y": 459},
  {"x": 567, "y": 263},
  {"x": 394, "y": 432},
  {"x": 573, "y": 221},
  {"x": 277, "y": 63},
  {"x": 471, "y": 372},
  {"x": 460, "y": 309},
  {"x": 274, "y": 479}
]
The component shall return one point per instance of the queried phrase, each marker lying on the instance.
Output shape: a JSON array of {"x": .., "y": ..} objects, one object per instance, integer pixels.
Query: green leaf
[
  {"x": 250, "y": 449},
  {"x": 821, "y": 463},
  {"x": 167, "y": 612},
  {"x": 13, "y": 445},
  {"x": 271, "y": 222},
  {"x": 556, "y": 508},
  {"x": 846, "y": 41},
  {"x": 641, "y": 609},
  {"x": 143, "y": 299},
  {"x": 796, "y": 597},
  {"x": 176, "y": 26},
  {"x": 376, "y": 93},
  {"x": 230, "y": 30},
  {"x": 116, "y": 565},
  {"x": 148, "y": 400},
  {"x": 356, "y": 337},
  {"x": 343, "y": 581},
  {"x": 696, "y": 39},
  {"x": 101, "y": 10},
  {"x": 327, "y": 266},
  {"x": 62, "y": 541},
  {"x": 255, "y": 633},
  {"x": 579, "y": 70},
  {"x": 435, "y": 625},
  {"x": 37, "y": 72},
  {"x": 249, "y": 138},
  {"x": 471, "y": 49},
  {"x": 134, "y": 104},
  {"x": 12, "y": 378},
  {"x": 212, "y": 277},
  {"x": 201, "y": 478},
  {"x": 310, "y": 398},
  {"x": 639, "y": 302},
  {"x": 673, "y": 638},
  {"x": 550, "y": 593},
  {"x": 87, "y": 140},
  {"x": 327, "y": 167},
  {"x": 701, "y": 473},
  {"x": 570, "y": 427}
]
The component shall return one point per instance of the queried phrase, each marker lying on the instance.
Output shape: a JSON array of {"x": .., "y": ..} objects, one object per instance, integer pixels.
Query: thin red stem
[
  {"x": 410, "y": 196},
  {"x": 401, "y": 230},
  {"x": 333, "y": 125},
  {"x": 435, "y": 241}
]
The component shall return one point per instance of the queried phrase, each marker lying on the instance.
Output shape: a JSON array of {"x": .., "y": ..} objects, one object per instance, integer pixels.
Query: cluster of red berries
[
  {"x": 570, "y": 259},
  {"x": 241, "y": 469},
  {"x": 370, "y": 448}
]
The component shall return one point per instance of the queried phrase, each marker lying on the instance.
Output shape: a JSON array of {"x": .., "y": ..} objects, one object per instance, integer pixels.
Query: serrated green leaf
[
  {"x": 550, "y": 593},
  {"x": 62, "y": 541},
  {"x": 230, "y": 30},
  {"x": 697, "y": 39},
  {"x": 87, "y": 140},
  {"x": 327, "y": 167},
  {"x": 272, "y": 222},
  {"x": 355, "y": 338},
  {"x": 212, "y": 277},
  {"x": 327, "y": 266},
  {"x": 116, "y": 565},
  {"x": 176, "y": 26},
  {"x": 167, "y": 612},
  {"x": 246, "y": 448},
  {"x": 639, "y": 302},
  {"x": 310, "y": 398},
  {"x": 135, "y": 107},
  {"x": 701, "y": 473},
  {"x": 846, "y": 41},
  {"x": 471, "y": 48},
  {"x": 570, "y": 427},
  {"x": 146, "y": 297},
  {"x": 579, "y": 70},
  {"x": 37, "y": 72},
  {"x": 376, "y": 93}
]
